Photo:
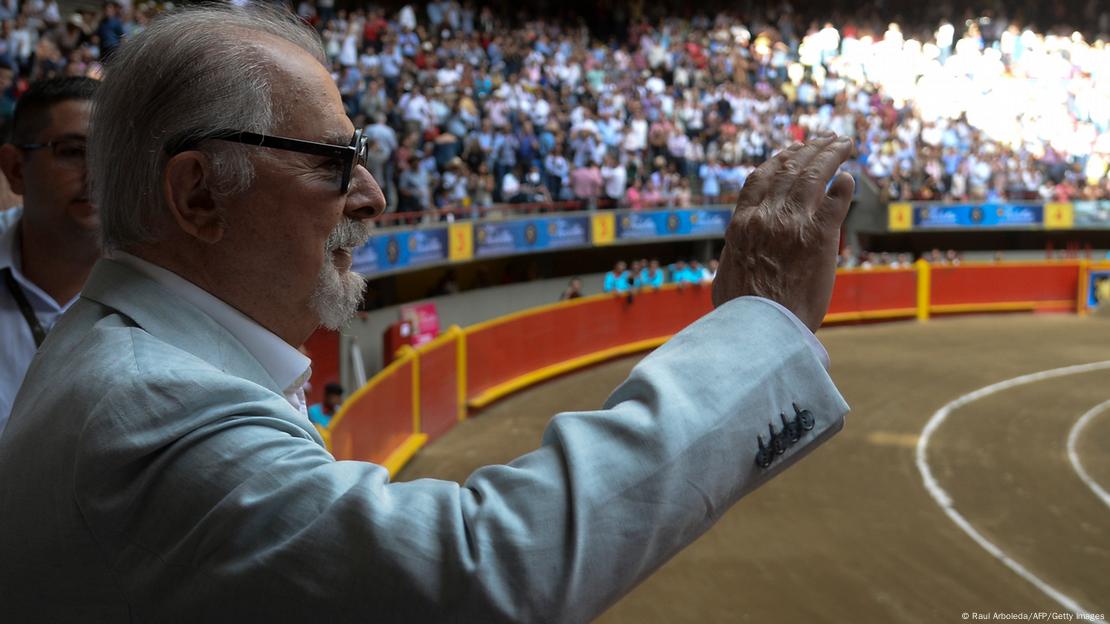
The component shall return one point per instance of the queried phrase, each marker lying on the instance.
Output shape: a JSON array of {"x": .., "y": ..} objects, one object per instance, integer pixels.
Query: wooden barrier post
[
  {"x": 1081, "y": 294},
  {"x": 408, "y": 351},
  {"x": 460, "y": 371},
  {"x": 923, "y": 289}
]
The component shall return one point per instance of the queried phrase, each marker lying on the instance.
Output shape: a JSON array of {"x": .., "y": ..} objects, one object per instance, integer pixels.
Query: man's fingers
[
  {"x": 809, "y": 185},
  {"x": 760, "y": 180},
  {"x": 835, "y": 206},
  {"x": 796, "y": 163}
]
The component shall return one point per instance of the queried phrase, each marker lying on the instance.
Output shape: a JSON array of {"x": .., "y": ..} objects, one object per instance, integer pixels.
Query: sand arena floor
[{"x": 852, "y": 534}]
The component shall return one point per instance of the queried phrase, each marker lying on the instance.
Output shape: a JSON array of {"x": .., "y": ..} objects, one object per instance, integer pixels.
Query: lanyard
[{"x": 28, "y": 314}]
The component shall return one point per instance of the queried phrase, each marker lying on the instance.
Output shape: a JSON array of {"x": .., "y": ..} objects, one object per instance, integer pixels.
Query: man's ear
[
  {"x": 11, "y": 163},
  {"x": 186, "y": 188}
]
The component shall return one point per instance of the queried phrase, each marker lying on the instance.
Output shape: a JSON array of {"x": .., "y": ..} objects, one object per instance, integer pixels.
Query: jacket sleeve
[{"x": 220, "y": 505}]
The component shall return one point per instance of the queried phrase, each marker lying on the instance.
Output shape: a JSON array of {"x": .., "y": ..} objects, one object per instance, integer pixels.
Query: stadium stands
[{"x": 468, "y": 110}]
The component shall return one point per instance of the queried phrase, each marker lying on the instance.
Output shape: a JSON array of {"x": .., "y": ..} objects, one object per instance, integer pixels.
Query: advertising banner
[
  {"x": 462, "y": 241},
  {"x": 401, "y": 249},
  {"x": 526, "y": 235},
  {"x": 1059, "y": 216},
  {"x": 1098, "y": 288},
  {"x": 900, "y": 217},
  {"x": 604, "y": 228},
  {"x": 664, "y": 223},
  {"x": 423, "y": 319},
  {"x": 957, "y": 216},
  {"x": 1091, "y": 214}
]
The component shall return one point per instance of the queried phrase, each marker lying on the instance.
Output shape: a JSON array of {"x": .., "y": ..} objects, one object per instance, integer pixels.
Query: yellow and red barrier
[
  {"x": 873, "y": 294},
  {"x": 513, "y": 351},
  {"x": 999, "y": 287},
  {"x": 440, "y": 382},
  {"x": 425, "y": 391},
  {"x": 381, "y": 421}
]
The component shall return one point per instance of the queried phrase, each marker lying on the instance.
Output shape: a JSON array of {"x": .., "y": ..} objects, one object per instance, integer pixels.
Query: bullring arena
[
  {"x": 970, "y": 480},
  {"x": 387, "y": 223}
]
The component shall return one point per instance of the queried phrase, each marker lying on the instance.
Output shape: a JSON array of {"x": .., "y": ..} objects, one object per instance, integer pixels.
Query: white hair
[
  {"x": 191, "y": 73},
  {"x": 338, "y": 294}
]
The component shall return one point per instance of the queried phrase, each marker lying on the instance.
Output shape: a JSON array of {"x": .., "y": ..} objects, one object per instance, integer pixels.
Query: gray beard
[{"x": 337, "y": 295}]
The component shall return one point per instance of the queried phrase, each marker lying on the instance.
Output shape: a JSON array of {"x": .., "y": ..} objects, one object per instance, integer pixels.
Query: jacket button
[
  {"x": 778, "y": 440},
  {"x": 764, "y": 456},
  {"x": 790, "y": 429},
  {"x": 805, "y": 417}
]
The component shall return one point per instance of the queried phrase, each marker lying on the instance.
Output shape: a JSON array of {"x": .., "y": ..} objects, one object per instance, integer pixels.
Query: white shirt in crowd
[
  {"x": 510, "y": 186},
  {"x": 17, "y": 343},
  {"x": 615, "y": 179}
]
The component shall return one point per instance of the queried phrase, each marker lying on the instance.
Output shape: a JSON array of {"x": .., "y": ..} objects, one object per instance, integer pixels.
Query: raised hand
[{"x": 782, "y": 241}]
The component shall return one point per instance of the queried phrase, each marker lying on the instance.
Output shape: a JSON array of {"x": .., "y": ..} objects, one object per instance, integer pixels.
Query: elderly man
[
  {"x": 48, "y": 253},
  {"x": 159, "y": 465}
]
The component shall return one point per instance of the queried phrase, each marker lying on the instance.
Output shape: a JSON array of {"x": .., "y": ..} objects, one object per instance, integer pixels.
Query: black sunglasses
[{"x": 351, "y": 155}]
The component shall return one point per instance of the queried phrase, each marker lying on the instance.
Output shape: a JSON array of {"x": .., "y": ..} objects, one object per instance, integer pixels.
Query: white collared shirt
[
  {"x": 285, "y": 364},
  {"x": 17, "y": 343}
]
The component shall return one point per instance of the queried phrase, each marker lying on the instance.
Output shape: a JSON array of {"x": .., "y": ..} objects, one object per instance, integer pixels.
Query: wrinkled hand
[{"x": 782, "y": 241}]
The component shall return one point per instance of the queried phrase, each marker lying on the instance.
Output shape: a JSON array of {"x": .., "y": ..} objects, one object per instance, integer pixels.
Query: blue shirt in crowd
[
  {"x": 617, "y": 283},
  {"x": 649, "y": 280}
]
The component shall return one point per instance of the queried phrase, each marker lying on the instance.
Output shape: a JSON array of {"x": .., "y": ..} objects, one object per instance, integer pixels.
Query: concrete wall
[{"x": 462, "y": 309}]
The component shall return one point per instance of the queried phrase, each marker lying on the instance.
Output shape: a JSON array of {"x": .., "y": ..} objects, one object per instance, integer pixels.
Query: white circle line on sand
[
  {"x": 1073, "y": 455},
  {"x": 945, "y": 501}
]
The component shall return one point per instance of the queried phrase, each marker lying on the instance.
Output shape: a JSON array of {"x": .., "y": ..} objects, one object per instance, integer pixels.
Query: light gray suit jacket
[{"x": 153, "y": 472}]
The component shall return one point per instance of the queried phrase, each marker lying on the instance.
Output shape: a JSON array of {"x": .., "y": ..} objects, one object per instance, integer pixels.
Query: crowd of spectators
[
  {"x": 644, "y": 274},
  {"x": 466, "y": 110}
]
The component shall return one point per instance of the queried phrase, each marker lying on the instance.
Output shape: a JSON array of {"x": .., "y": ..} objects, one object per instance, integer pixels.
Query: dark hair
[
  {"x": 333, "y": 388},
  {"x": 32, "y": 111}
]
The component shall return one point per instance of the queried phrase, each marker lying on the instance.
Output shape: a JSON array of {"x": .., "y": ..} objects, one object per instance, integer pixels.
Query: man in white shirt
[
  {"x": 615, "y": 178},
  {"x": 158, "y": 465},
  {"x": 416, "y": 109},
  {"x": 510, "y": 187},
  {"x": 45, "y": 256}
]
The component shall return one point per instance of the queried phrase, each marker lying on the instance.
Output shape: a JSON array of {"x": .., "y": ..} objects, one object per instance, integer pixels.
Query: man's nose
[{"x": 365, "y": 199}]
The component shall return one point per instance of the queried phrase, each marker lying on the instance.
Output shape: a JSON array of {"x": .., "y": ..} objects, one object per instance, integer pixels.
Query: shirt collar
[
  {"x": 9, "y": 249},
  {"x": 11, "y": 257},
  {"x": 285, "y": 364}
]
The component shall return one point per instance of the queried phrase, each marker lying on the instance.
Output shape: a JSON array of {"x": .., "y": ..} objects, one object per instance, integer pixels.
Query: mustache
[{"x": 349, "y": 234}]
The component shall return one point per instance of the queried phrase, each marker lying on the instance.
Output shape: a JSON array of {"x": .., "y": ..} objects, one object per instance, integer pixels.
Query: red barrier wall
[
  {"x": 880, "y": 292},
  {"x": 378, "y": 418},
  {"x": 970, "y": 287},
  {"x": 506, "y": 348},
  {"x": 382, "y": 420},
  {"x": 439, "y": 386},
  {"x": 323, "y": 348}
]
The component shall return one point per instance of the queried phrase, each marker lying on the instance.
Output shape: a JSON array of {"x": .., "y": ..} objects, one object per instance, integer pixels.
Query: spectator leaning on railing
[
  {"x": 652, "y": 276},
  {"x": 618, "y": 280}
]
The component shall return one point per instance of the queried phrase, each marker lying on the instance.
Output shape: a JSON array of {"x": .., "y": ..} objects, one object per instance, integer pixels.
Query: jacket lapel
[{"x": 173, "y": 320}]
